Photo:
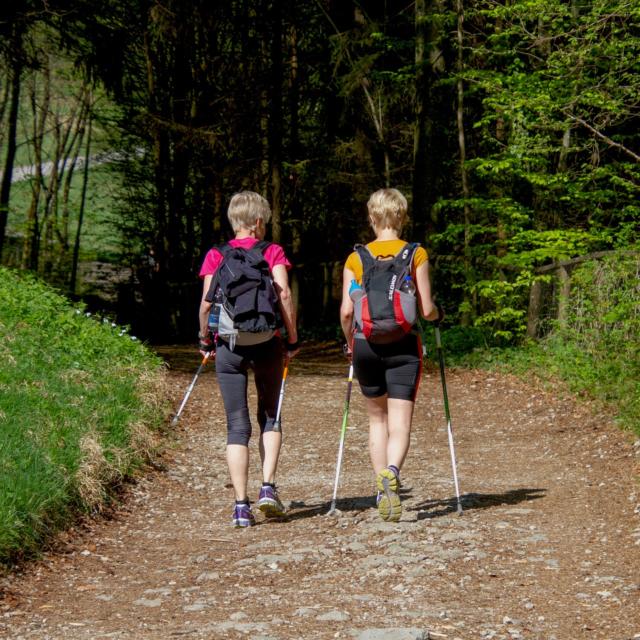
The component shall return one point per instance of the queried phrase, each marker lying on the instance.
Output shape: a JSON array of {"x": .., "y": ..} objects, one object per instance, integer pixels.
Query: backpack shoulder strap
[
  {"x": 366, "y": 257},
  {"x": 224, "y": 249},
  {"x": 404, "y": 257},
  {"x": 262, "y": 246}
]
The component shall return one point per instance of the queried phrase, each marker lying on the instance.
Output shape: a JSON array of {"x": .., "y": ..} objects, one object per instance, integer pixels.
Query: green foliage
[
  {"x": 75, "y": 408},
  {"x": 551, "y": 95},
  {"x": 597, "y": 351},
  {"x": 457, "y": 341},
  {"x": 317, "y": 105}
]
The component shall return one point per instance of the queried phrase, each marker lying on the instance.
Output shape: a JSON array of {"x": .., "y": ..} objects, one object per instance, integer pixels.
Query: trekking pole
[
  {"x": 448, "y": 416},
  {"x": 285, "y": 371},
  {"x": 190, "y": 389},
  {"x": 342, "y": 435}
]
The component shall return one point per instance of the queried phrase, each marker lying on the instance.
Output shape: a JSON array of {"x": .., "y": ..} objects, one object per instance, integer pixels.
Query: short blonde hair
[
  {"x": 246, "y": 208},
  {"x": 388, "y": 208}
]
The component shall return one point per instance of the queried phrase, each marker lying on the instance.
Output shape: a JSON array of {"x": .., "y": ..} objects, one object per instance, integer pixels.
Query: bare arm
[
  {"x": 426, "y": 305},
  {"x": 285, "y": 300},
  {"x": 205, "y": 307},
  {"x": 346, "y": 307}
]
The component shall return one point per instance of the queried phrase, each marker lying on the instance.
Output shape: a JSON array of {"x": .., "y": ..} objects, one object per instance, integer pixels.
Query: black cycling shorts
[
  {"x": 232, "y": 367},
  {"x": 393, "y": 368}
]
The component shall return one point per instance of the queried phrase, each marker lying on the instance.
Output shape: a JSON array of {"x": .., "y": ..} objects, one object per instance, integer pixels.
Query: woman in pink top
[{"x": 249, "y": 213}]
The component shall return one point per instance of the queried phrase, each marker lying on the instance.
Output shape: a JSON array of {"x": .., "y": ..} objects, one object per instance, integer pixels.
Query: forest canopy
[{"x": 512, "y": 128}]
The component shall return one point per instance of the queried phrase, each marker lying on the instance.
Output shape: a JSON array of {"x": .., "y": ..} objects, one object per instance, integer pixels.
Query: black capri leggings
[
  {"x": 266, "y": 360},
  {"x": 393, "y": 368}
]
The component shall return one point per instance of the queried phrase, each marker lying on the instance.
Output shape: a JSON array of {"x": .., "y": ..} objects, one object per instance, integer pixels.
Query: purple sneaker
[
  {"x": 243, "y": 516},
  {"x": 269, "y": 502}
]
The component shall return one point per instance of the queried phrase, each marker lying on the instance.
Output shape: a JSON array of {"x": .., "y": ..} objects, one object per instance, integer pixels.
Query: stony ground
[{"x": 548, "y": 546}]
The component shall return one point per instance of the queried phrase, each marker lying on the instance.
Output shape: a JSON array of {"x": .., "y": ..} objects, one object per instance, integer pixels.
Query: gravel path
[{"x": 548, "y": 546}]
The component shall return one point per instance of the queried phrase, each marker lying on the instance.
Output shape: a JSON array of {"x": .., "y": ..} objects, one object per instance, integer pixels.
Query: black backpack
[
  {"x": 243, "y": 287},
  {"x": 385, "y": 307}
]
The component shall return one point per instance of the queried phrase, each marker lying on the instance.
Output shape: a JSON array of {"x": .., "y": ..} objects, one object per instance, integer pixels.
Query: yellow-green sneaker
[{"x": 389, "y": 506}]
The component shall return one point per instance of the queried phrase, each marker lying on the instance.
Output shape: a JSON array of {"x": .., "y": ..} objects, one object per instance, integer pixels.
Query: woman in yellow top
[{"x": 389, "y": 373}]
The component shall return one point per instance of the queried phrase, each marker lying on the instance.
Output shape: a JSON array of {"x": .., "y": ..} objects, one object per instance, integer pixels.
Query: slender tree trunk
[
  {"x": 566, "y": 136},
  {"x": 294, "y": 147},
  {"x": 7, "y": 175},
  {"x": 275, "y": 125},
  {"x": 62, "y": 231},
  {"x": 66, "y": 134},
  {"x": 294, "y": 90},
  {"x": 83, "y": 198},
  {"x": 264, "y": 127},
  {"x": 160, "y": 156},
  {"x": 6, "y": 93},
  {"x": 426, "y": 54},
  {"x": 469, "y": 312},
  {"x": 326, "y": 288},
  {"x": 563, "y": 295},
  {"x": 69, "y": 163},
  {"x": 533, "y": 312},
  {"x": 40, "y": 111}
]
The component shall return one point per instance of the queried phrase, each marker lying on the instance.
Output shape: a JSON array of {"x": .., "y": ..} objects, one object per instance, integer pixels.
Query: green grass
[{"x": 78, "y": 405}]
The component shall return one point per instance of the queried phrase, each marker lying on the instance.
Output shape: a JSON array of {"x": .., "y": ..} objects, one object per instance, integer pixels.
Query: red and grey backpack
[{"x": 384, "y": 311}]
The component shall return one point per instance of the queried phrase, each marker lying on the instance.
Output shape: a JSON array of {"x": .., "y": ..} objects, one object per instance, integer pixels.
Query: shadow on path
[
  {"x": 472, "y": 501},
  {"x": 299, "y": 510}
]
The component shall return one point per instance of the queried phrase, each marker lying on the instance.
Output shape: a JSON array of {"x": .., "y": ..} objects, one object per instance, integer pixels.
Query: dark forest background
[{"x": 512, "y": 126}]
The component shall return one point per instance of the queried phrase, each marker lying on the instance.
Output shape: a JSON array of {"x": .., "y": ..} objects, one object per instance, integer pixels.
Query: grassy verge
[{"x": 78, "y": 407}]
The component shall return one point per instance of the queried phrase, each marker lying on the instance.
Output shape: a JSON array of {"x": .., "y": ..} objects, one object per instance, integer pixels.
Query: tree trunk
[
  {"x": 326, "y": 288},
  {"x": 31, "y": 239},
  {"x": 66, "y": 134},
  {"x": 563, "y": 297},
  {"x": 12, "y": 127},
  {"x": 294, "y": 148},
  {"x": 69, "y": 163},
  {"x": 83, "y": 199},
  {"x": 275, "y": 124},
  {"x": 423, "y": 192},
  {"x": 469, "y": 311},
  {"x": 535, "y": 304},
  {"x": 6, "y": 94},
  {"x": 264, "y": 129}
]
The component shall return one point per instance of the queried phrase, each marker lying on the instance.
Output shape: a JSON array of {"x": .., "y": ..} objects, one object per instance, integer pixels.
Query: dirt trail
[{"x": 548, "y": 546}]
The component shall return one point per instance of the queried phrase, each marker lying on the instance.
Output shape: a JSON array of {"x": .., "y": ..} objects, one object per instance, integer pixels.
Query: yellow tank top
[{"x": 384, "y": 248}]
